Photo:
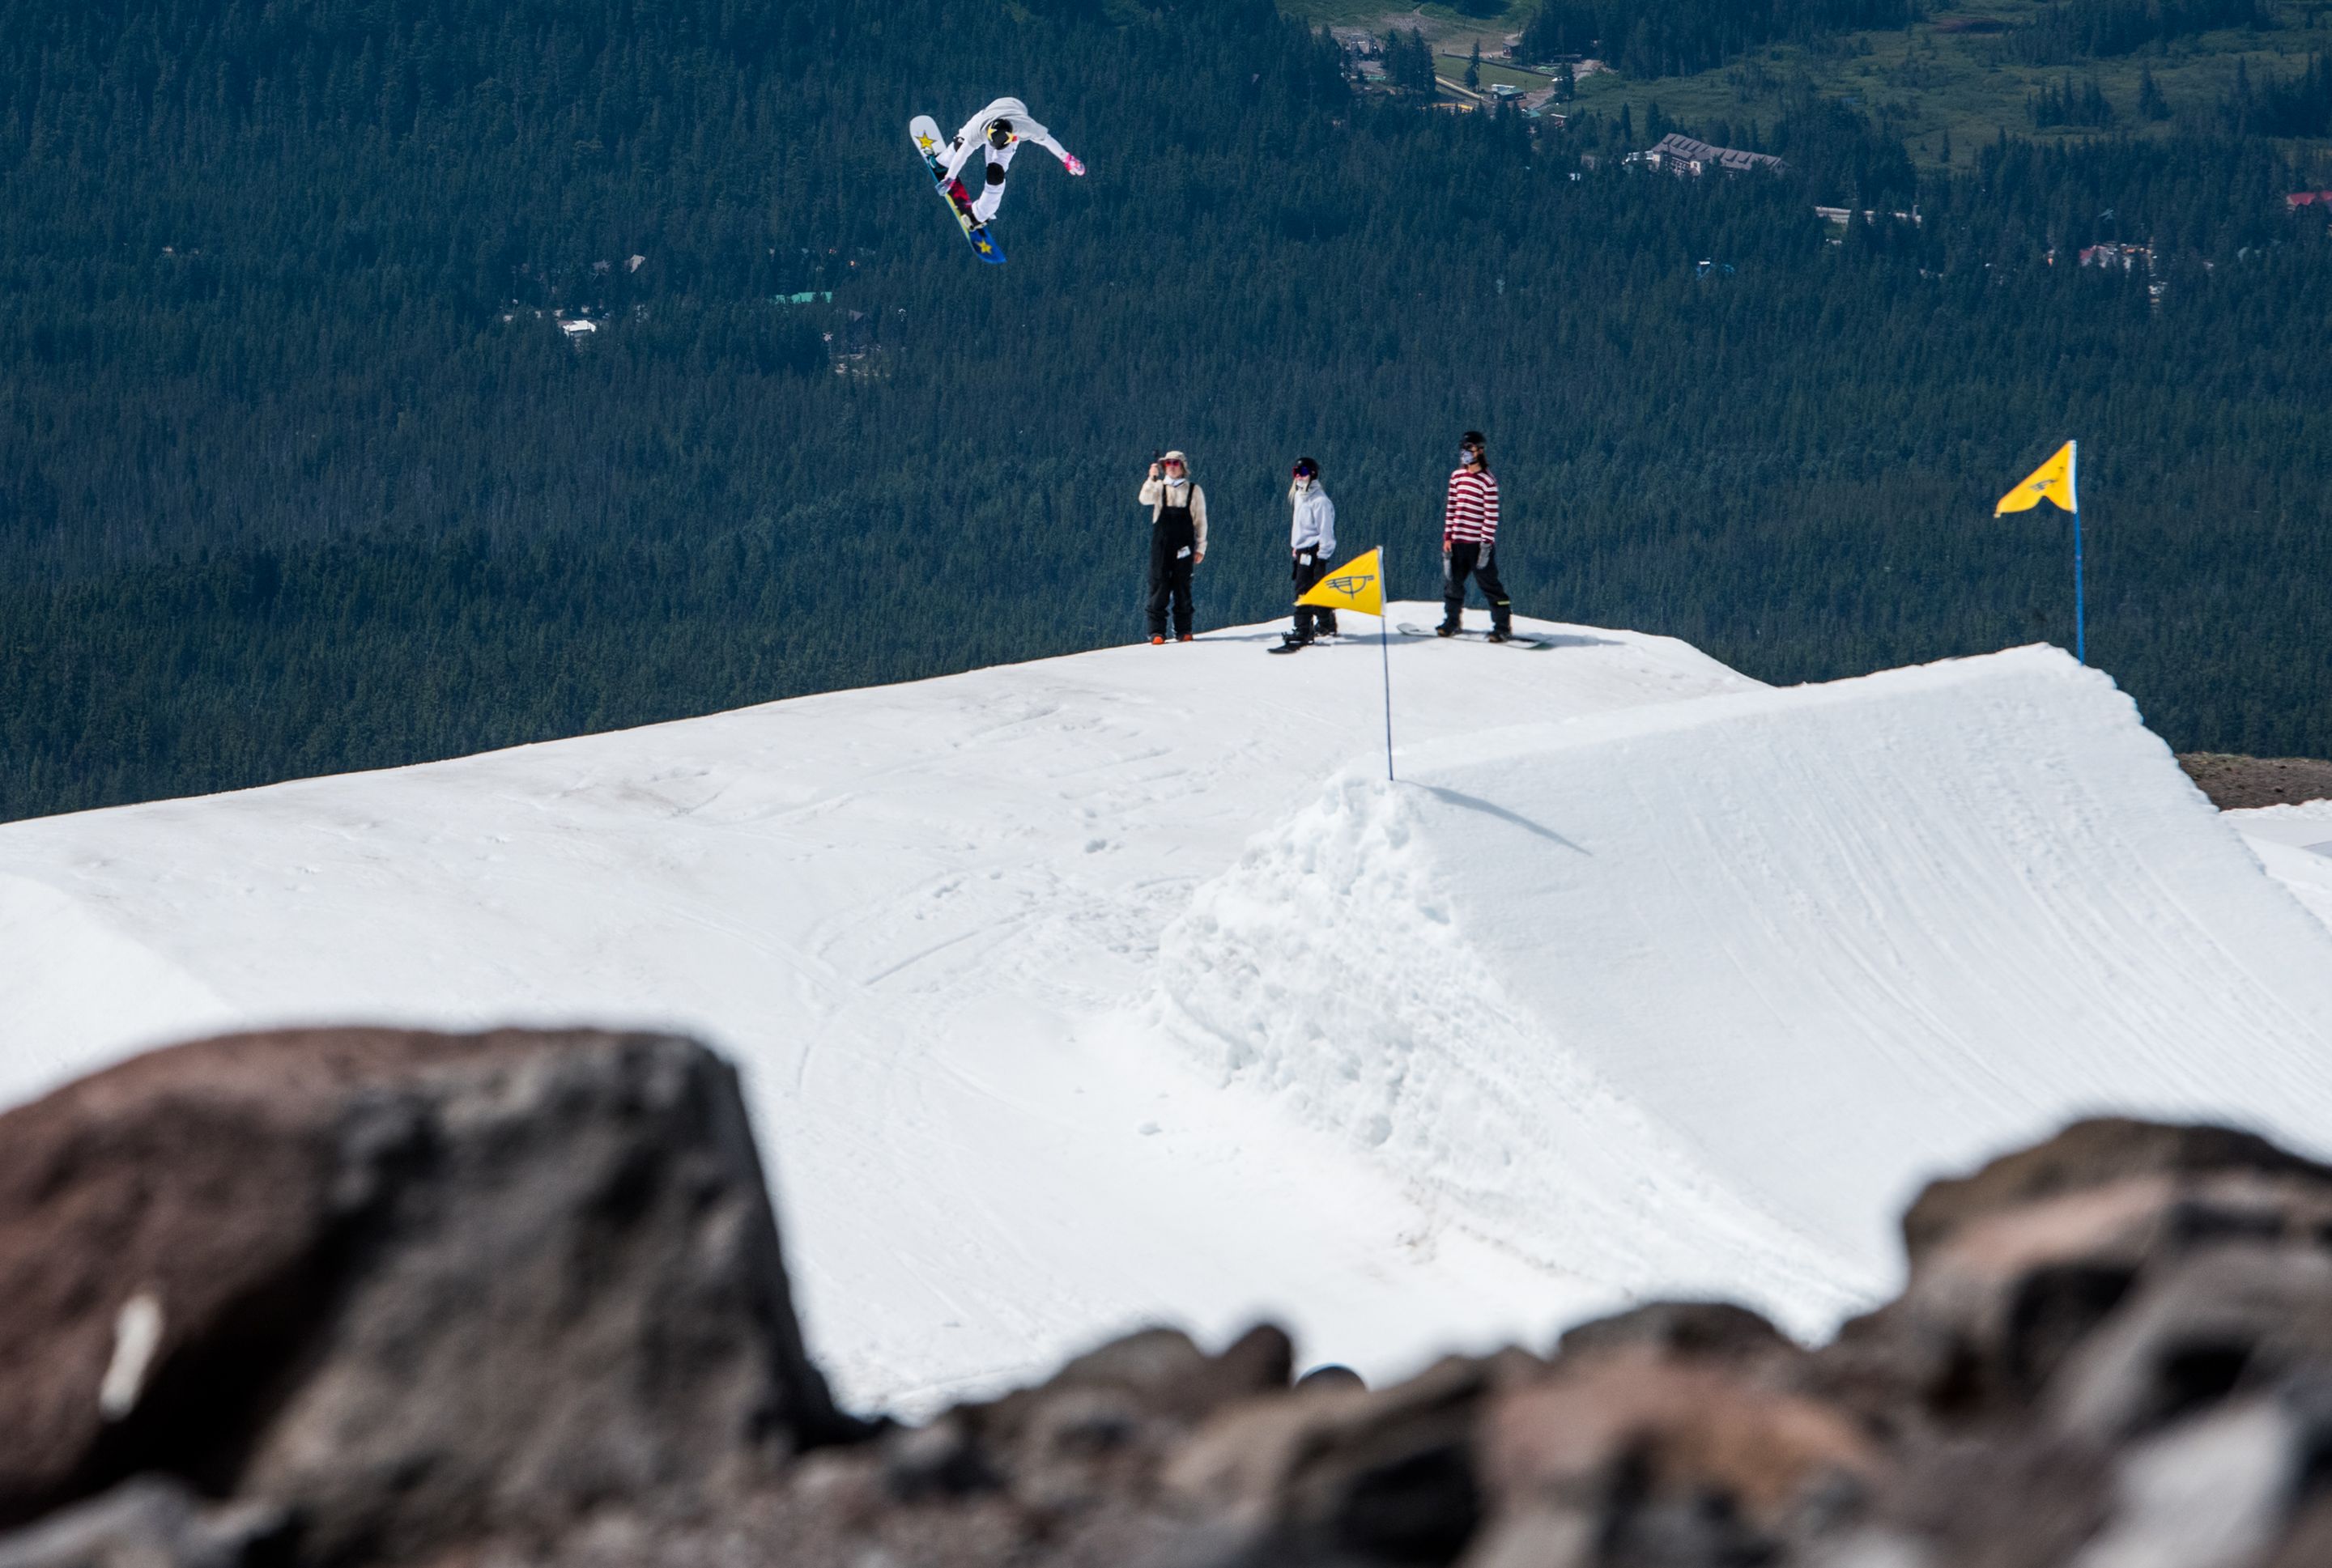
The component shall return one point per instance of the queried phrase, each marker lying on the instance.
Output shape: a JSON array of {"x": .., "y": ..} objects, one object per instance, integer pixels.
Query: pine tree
[
  {"x": 2151, "y": 104},
  {"x": 1473, "y": 66}
]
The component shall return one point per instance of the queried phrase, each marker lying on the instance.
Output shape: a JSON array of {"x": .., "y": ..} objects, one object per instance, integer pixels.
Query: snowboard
[
  {"x": 1518, "y": 640},
  {"x": 1290, "y": 645},
  {"x": 925, "y": 131}
]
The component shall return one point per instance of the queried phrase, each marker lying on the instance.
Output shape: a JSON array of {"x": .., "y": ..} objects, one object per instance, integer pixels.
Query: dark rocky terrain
[
  {"x": 357, "y": 1297},
  {"x": 2239, "y": 783}
]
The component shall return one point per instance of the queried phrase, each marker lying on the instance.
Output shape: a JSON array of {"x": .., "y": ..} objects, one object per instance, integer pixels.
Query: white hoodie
[
  {"x": 1314, "y": 527},
  {"x": 973, "y": 137}
]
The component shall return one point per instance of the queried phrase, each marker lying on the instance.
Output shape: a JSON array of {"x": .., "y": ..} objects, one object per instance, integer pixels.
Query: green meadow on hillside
[{"x": 1946, "y": 84}]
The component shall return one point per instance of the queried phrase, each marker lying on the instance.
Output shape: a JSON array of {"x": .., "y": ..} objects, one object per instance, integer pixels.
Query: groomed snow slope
[
  {"x": 1695, "y": 995},
  {"x": 918, "y": 916},
  {"x": 1680, "y": 975}
]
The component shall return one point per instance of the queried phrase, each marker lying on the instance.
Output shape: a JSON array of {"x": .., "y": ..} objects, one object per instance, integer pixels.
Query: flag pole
[
  {"x": 2081, "y": 628},
  {"x": 1384, "y": 625}
]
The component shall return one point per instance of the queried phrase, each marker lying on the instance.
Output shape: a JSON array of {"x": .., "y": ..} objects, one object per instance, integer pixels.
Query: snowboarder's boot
[
  {"x": 1157, "y": 642},
  {"x": 1497, "y": 636},
  {"x": 1185, "y": 637},
  {"x": 1446, "y": 629}
]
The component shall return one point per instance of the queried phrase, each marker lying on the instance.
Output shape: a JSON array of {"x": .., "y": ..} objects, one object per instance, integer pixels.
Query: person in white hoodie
[
  {"x": 1312, "y": 541},
  {"x": 998, "y": 130}
]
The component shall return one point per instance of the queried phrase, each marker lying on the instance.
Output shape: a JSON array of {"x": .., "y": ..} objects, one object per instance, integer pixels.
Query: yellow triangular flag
[
  {"x": 1358, "y": 585},
  {"x": 2051, "y": 481}
]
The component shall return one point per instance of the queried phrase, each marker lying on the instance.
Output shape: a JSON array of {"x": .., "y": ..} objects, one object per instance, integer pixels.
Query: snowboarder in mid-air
[{"x": 996, "y": 132}]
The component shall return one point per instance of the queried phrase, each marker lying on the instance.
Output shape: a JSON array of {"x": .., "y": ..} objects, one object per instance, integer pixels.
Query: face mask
[{"x": 1467, "y": 455}]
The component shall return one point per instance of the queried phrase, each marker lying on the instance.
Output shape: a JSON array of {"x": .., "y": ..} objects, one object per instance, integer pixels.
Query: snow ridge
[
  {"x": 1332, "y": 969},
  {"x": 1646, "y": 978},
  {"x": 1693, "y": 995}
]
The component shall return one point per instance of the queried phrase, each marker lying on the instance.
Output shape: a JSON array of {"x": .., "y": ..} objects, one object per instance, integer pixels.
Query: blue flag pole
[
  {"x": 2073, "y": 483},
  {"x": 1384, "y": 625}
]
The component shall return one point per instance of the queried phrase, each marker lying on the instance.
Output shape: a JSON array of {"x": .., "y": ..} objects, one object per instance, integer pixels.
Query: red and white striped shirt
[{"x": 1470, "y": 516}]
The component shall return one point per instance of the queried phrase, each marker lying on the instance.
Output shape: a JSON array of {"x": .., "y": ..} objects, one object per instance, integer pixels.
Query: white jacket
[
  {"x": 1155, "y": 493},
  {"x": 1314, "y": 527},
  {"x": 973, "y": 137}
]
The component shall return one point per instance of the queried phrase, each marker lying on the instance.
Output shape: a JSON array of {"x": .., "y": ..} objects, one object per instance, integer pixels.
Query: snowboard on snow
[
  {"x": 1289, "y": 644},
  {"x": 925, "y": 131},
  {"x": 1519, "y": 639}
]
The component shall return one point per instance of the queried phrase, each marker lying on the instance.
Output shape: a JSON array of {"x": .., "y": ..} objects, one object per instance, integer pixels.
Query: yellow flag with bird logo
[
  {"x": 2051, "y": 481},
  {"x": 1357, "y": 584}
]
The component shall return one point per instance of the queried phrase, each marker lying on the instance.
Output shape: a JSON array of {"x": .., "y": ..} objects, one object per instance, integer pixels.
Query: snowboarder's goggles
[{"x": 1304, "y": 470}]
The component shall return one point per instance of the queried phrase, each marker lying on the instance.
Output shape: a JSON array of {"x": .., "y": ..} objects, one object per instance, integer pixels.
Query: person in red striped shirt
[{"x": 1469, "y": 534}]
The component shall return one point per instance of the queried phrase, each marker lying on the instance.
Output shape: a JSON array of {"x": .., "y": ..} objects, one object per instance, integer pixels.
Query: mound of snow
[
  {"x": 1694, "y": 996},
  {"x": 918, "y": 916},
  {"x": 1678, "y": 988},
  {"x": 2294, "y": 844}
]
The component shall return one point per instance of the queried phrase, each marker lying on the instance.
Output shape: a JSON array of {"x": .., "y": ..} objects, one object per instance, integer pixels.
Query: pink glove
[{"x": 1076, "y": 164}]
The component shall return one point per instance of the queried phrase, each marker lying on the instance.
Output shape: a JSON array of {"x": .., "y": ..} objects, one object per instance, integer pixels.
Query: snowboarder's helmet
[
  {"x": 1000, "y": 131},
  {"x": 1306, "y": 468}
]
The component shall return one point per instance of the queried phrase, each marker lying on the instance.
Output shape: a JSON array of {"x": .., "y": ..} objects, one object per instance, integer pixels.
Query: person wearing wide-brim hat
[{"x": 1178, "y": 542}]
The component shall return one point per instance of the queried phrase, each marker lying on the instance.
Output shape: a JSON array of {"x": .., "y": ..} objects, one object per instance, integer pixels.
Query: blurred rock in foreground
[
  {"x": 517, "y": 1299},
  {"x": 412, "y": 1289}
]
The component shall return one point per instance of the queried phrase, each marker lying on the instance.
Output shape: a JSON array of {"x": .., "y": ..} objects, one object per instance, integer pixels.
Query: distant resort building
[
  {"x": 1683, "y": 156},
  {"x": 2301, "y": 201},
  {"x": 2128, "y": 258}
]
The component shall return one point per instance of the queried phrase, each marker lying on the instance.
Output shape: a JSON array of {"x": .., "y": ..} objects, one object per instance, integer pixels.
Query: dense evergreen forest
[
  {"x": 300, "y": 470},
  {"x": 1687, "y": 36}
]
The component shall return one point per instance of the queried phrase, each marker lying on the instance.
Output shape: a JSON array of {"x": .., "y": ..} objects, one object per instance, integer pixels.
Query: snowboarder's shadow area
[
  {"x": 1491, "y": 808},
  {"x": 1578, "y": 639}
]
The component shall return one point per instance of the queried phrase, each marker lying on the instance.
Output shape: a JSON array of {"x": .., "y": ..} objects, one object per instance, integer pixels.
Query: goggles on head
[{"x": 1305, "y": 470}]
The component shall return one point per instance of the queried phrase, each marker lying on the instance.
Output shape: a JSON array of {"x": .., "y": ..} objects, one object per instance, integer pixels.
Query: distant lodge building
[
  {"x": 1683, "y": 156},
  {"x": 2128, "y": 258},
  {"x": 2301, "y": 201}
]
